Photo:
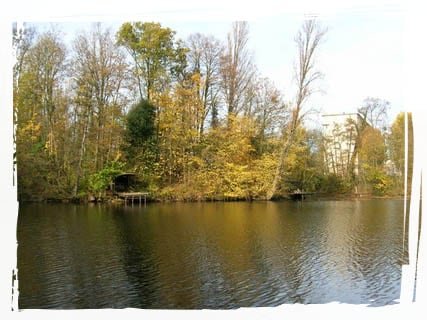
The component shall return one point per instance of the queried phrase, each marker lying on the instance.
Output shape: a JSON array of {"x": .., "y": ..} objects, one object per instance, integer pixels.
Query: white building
[{"x": 339, "y": 133}]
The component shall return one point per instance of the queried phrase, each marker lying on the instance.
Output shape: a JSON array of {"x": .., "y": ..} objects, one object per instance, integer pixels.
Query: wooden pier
[
  {"x": 133, "y": 197},
  {"x": 299, "y": 195}
]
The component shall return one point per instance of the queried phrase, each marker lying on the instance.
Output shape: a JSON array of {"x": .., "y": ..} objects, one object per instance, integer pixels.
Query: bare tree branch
[{"x": 307, "y": 40}]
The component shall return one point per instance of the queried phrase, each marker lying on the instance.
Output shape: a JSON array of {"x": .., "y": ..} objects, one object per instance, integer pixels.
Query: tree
[
  {"x": 140, "y": 126},
  {"x": 180, "y": 125},
  {"x": 303, "y": 167},
  {"x": 46, "y": 61},
  {"x": 236, "y": 68},
  {"x": 99, "y": 74},
  {"x": 224, "y": 173},
  {"x": 373, "y": 113},
  {"x": 338, "y": 142},
  {"x": 41, "y": 113},
  {"x": 140, "y": 145},
  {"x": 204, "y": 60},
  {"x": 158, "y": 57},
  {"x": 22, "y": 40},
  {"x": 308, "y": 40},
  {"x": 372, "y": 156},
  {"x": 373, "y": 149},
  {"x": 396, "y": 143},
  {"x": 268, "y": 110}
]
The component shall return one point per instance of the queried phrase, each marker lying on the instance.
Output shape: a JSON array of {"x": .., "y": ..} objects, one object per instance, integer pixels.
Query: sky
[{"x": 361, "y": 55}]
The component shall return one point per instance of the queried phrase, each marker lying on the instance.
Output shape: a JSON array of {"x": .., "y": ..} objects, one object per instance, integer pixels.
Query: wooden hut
[
  {"x": 126, "y": 186},
  {"x": 125, "y": 182}
]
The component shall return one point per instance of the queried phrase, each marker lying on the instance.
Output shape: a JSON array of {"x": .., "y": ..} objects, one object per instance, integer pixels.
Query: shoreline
[{"x": 311, "y": 198}]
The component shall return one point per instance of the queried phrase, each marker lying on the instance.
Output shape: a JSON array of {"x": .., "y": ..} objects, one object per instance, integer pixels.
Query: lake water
[{"x": 209, "y": 255}]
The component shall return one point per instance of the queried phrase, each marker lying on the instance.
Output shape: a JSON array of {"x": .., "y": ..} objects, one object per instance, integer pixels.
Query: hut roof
[{"x": 126, "y": 174}]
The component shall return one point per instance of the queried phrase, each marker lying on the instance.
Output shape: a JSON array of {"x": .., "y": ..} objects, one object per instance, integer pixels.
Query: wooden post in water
[{"x": 134, "y": 196}]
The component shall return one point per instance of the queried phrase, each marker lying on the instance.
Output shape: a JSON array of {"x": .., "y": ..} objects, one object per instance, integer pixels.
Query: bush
[
  {"x": 331, "y": 183},
  {"x": 381, "y": 183},
  {"x": 99, "y": 182}
]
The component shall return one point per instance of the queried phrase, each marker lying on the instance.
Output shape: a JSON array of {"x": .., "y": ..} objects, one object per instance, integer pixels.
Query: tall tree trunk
[
  {"x": 97, "y": 150},
  {"x": 278, "y": 173},
  {"x": 81, "y": 155},
  {"x": 288, "y": 139},
  {"x": 308, "y": 39}
]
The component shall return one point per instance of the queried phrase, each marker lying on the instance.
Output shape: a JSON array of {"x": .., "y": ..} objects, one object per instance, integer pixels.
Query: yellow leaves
[
  {"x": 118, "y": 156},
  {"x": 263, "y": 171},
  {"x": 195, "y": 162},
  {"x": 397, "y": 142},
  {"x": 196, "y": 78},
  {"x": 29, "y": 131},
  {"x": 233, "y": 142},
  {"x": 228, "y": 168},
  {"x": 50, "y": 143},
  {"x": 373, "y": 147}
]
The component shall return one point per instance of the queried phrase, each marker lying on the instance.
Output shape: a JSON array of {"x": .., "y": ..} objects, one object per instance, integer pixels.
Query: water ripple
[{"x": 218, "y": 255}]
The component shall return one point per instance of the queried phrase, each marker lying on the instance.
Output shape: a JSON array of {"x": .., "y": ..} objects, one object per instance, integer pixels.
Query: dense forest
[{"x": 193, "y": 118}]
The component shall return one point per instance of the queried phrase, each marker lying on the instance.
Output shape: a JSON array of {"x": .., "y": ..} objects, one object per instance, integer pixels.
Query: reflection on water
[{"x": 209, "y": 255}]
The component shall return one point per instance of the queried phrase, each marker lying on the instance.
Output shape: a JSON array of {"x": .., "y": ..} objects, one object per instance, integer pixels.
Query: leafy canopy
[
  {"x": 140, "y": 123},
  {"x": 157, "y": 55}
]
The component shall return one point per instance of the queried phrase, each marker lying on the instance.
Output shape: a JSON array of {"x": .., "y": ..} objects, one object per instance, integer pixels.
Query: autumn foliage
[{"x": 194, "y": 120}]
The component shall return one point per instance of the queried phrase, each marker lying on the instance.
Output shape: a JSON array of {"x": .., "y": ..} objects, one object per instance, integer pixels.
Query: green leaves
[
  {"x": 98, "y": 182},
  {"x": 140, "y": 126},
  {"x": 158, "y": 57},
  {"x": 380, "y": 182},
  {"x": 396, "y": 144}
]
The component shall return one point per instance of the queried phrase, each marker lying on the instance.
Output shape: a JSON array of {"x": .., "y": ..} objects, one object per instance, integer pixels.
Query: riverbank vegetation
[{"x": 193, "y": 118}]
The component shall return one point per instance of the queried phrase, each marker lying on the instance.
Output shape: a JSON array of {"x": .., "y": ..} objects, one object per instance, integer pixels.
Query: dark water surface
[{"x": 209, "y": 255}]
